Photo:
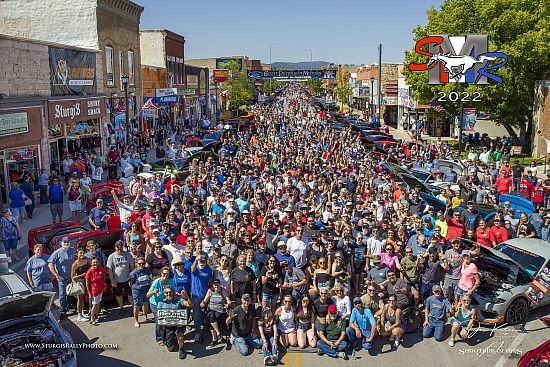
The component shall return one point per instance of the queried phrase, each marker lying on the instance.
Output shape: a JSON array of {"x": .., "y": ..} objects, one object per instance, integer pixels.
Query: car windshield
[
  {"x": 531, "y": 262},
  {"x": 180, "y": 162},
  {"x": 422, "y": 176}
]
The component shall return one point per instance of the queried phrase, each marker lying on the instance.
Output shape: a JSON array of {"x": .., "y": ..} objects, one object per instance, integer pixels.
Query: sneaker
[
  {"x": 396, "y": 343},
  {"x": 274, "y": 358},
  {"x": 451, "y": 342},
  {"x": 79, "y": 319},
  {"x": 320, "y": 352},
  {"x": 343, "y": 355},
  {"x": 183, "y": 353},
  {"x": 354, "y": 355},
  {"x": 392, "y": 338},
  {"x": 267, "y": 360}
]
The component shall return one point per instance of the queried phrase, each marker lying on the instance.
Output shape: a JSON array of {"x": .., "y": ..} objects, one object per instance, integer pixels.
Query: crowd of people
[{"x": 295, "y": 236}]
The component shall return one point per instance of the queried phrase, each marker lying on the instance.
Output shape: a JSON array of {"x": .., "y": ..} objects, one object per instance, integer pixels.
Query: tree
[
  {"x": 343, "y": 89},
  {"x": 269, "y": 86},
  {"x": 316, "y": 86},
  {"x": 241, "y": 89},
  {"x": 520, "y": 29}
]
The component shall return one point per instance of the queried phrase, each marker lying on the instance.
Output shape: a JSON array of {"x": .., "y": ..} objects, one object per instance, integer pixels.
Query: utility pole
[
  {"x": 379, "y": 82},
  {"x": 461, "y": 114},
  {"x": 273, "y": 44}
]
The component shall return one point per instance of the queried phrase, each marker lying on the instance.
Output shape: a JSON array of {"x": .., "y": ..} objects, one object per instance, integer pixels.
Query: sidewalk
[{"x": 41, "y": 216}]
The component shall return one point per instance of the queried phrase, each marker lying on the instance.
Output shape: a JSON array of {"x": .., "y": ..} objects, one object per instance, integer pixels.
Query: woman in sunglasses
[
  {"x": 305, "y": 318},
  {"x": 286, "y": 324},
  {"x": 268, "y": 333},
  {"x": 392, "y": 321},
  {"x": 157, "y": 259}
]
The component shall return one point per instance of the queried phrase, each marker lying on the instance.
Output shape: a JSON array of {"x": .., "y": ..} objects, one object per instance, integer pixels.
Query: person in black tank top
[{"x": 78, "y": 272}]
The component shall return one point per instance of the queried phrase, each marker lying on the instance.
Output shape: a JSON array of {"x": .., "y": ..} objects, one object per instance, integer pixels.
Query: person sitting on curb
[
  {"x": 362, "y": 326},
  {"x": 332, "y": 334},
  {"x": 434, "y": 313}
]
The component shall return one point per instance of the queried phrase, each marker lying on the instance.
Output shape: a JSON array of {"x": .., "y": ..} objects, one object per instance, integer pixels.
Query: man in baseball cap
[
  {"x": 332, "y": 336},
  {"x": 362, "y": 326},
  {"x": 434, "y": 314}
]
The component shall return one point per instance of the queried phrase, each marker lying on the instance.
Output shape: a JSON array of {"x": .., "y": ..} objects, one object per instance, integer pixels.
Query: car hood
[
  {"x": 405, "y": 176},
  {"x": 488, "y": 251},
  {"x": 36, "y": 304}
]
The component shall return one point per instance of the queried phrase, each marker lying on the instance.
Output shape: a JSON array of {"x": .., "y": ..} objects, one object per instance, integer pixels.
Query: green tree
[
  {"x": 269, "y": 87},
  {"x": 520, "y": 29},
  {"x": 343, "y": 89},
  {"x": 316, "y": 86},
  {"x": 241, "y": 89}
]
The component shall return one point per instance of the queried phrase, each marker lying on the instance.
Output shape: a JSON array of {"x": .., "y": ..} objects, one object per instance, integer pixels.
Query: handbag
[
  {"x": 28, "y": 201},
  {"x": 75, "y": 289}
]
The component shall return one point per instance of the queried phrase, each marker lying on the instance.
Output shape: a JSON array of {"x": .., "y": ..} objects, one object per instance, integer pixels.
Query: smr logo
[{"x": 472, "y": 64}]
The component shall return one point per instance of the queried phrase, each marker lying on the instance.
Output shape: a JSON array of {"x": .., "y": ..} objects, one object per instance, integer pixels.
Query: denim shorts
[
  {"x": 269, "y": 297},
  {"x": 415, "y": 285},
  {"x": 402, "y": 326},
  {"x": 139, "y": 298},
  {"x": 303, "y": 327},
  {"x": 10, "y": 244},
  {"x": 461, "y": 291},
  {"x": 18, "y": 211}
]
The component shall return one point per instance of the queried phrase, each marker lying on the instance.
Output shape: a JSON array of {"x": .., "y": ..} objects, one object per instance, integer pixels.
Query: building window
[
  {"x": 131, "y": 67},
  {"x": 109, "y": 65},
  {"x": 121, "y": 66}
]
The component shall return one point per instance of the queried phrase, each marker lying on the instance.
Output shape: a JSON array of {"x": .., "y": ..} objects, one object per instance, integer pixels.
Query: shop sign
[
  {"x": 220, "y": 75},
  {"x": 292, "y": 74},
  {"x": 187, "y": 92},
  {"x": 71, "y": 110},
  {"x": 14, "y": 123},
  {"x": 166, "y": 95},
  {"x": 72, "y": 72}
]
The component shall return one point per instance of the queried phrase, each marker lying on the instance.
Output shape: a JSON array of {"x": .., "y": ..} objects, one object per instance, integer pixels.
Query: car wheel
[{"x": 517, "y": 312}]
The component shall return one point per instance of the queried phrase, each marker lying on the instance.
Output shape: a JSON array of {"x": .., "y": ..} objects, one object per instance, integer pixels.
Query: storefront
[
  {"x": 74, "y": 126},
  {"x": 21, "y": 130}
]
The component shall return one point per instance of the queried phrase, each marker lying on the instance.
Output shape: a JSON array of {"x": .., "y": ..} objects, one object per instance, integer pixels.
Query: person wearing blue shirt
[
  {"x": 28, "y": 189},
  {"x": 172, "y": 333},
  {"x": 140, "y": 279},
  {"x": 201, "y": 274},
  {"x": 434, "y": 313},
  {"x": 37, "y": 270},
  {"x": 362, "y": 326},
  {"x": 450, "y": 176},
  {"x": 56, "y": 192},
  {"x": 60, "y": 263},
  {"x": 156, "y": 295}
]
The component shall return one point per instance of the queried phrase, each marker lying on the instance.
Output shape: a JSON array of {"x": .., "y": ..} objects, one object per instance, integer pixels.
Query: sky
[{"x": 338, "y": 31}]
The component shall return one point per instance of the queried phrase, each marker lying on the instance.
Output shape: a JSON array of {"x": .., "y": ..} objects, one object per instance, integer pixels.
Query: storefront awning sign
[
  {"x": 14, "y": 123},
  {"x": 166, "y": 95}
]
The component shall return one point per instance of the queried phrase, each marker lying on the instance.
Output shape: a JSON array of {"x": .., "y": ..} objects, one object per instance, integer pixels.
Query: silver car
[
  {"x": 506, "y": 273},
  {"x": 26, "y": 319}
]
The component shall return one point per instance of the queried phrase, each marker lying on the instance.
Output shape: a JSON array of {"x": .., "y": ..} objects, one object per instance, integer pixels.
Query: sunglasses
[
  {"x": 287, "y": 301},
  {"x": 168, "y": 292},
  {"x": 370, "y": 290},
  {"x": 408, "y": 252},
  {"x": 141, "y": 263},
  {"x": 389, "y": 249},
  {"x": 165, "y": 274},
  {"x": 392, "y": 301}
]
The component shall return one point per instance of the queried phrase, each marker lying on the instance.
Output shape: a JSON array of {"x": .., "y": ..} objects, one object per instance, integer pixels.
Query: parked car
[
  {"x": 26, "y": 317},
  {"x": 48, "y": 235},
  {"x": 540, "y": 356},
  {"x": 506, "y": 273}
]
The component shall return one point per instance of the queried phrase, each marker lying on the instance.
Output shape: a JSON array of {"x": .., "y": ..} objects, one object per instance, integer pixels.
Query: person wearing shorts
[
  {"x": 56, "y": 192},
  {"x": 95, "y": 285},
  {"x": 119, "y": 265},
  {"x": 140, "y": 280},
  {"x": 9, "y": 227},
  {"x": 462, "y": 320}
]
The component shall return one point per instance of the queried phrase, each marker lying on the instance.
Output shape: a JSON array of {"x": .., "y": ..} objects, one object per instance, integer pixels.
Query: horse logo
[{"x": 457, "y": 65}]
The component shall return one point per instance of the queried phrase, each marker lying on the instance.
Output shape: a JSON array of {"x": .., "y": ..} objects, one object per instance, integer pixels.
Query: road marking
[
  {"x": 511, "y": 349},
  {"x": 298, "y": 359},
  {"x": 286, "y": 359}
]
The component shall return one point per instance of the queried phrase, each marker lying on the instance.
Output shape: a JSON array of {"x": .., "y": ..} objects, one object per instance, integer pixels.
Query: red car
[
  {"x": 540, "y": 356},
  {"x": 103, "y": 190},
  {"x": 51, "y": 234}
]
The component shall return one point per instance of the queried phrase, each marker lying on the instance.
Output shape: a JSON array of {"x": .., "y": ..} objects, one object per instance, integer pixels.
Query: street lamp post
[
  {"x": 310, "y": 60},
  {"x": 112, "y": 113},
  {"x": 273, "y": 44},
  {"x": 372, "y": 96},
  {"x": 125, "y": 79}
]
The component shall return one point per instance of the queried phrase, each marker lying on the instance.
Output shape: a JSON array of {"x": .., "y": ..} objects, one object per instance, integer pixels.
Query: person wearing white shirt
[
  {"x": 298, "y": 249},
  {"x": 173, "y": 249},
  {"x": 375, "y": 244}
]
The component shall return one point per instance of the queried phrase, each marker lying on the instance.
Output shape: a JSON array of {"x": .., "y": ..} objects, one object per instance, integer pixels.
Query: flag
[{"x": 436, "y": 106}]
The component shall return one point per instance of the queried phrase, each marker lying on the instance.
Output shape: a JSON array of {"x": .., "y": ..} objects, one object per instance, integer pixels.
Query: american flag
[{"x": 436, "y": 106}]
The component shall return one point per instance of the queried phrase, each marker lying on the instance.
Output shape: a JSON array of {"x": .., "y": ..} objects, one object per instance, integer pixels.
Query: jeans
[
  {"x": 426, "y": 290},
  {"x": 197, "y": 315},
  {"x": 271, "y": 342},
  {"x": 30, "y": 208},
  {"x": 63, "y": 302},
  {"x": 158, "y": 338},
  {"x": 350, "y": 332},
  {"x": 436, "y": 326},
  {"x": 329, "y": 351},
  {"x": 516, "y": 182},
  {"x": 43, "y": 190},
  {"x": 243, "y": 343}
]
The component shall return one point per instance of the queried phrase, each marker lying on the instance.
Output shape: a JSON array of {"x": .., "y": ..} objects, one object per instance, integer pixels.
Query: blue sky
[{"x": 341, "y": 31}]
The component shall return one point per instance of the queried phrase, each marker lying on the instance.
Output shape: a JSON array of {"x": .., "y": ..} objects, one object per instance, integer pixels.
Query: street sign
[{"x": 187, "y": 92}]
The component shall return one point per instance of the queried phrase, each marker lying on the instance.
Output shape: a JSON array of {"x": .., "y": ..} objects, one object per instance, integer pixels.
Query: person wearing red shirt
[
  {"x": 95, "y": 285},
  {"x": 525, "y": 187},
  {"x": 145, "y": 219},
  {"x": 455, "y": 225},
  {"x": 485, "y": 237},
  {"x": 504, "y": 183},
  {"x": 500, "y": 233},
  {"x": 185, "y": 234},
  {"x": 171, "y": 181},
  {"x": 538, "y": 193},
  {"x": 113, "y": 155}
]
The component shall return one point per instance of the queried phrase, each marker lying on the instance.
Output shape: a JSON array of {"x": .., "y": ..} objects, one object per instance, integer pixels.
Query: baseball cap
[
  {"x": 466, "y": 253},
  {"x": 245, "y": 296},
  {"x": 208, "y": 230},
  {"x": 284, "y": 263},
  {"x": 356, "y": 300},
  {"x": 332, "y": 309},
  {"x": 432, "y": 251},
  {"x": 63, "y": 240},
  {"x": 119, "y": 243},
  {"x": 156, "y": 230},
  {"x": 436, "y": 288}
]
